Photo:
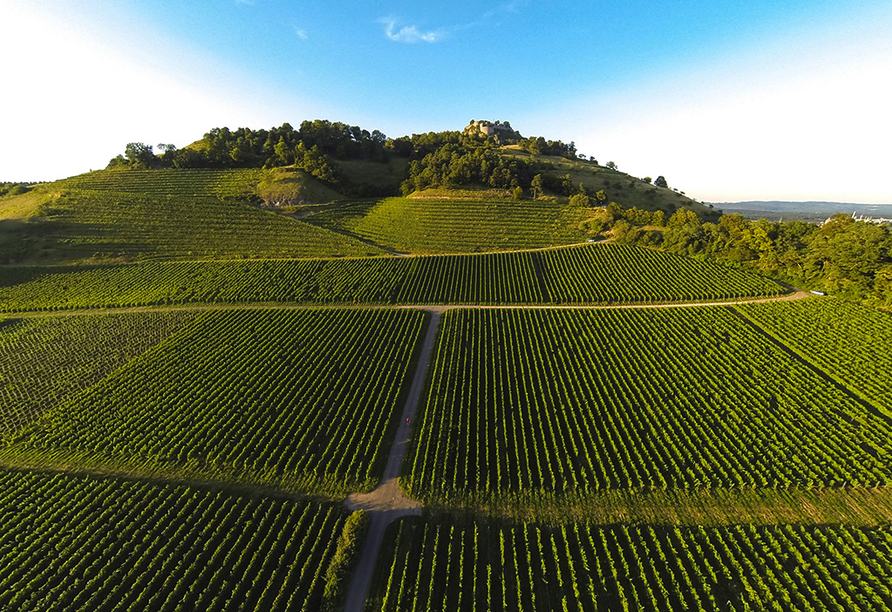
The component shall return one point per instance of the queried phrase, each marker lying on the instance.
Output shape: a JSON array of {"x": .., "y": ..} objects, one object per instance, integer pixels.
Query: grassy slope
[{"x": 159, "y": 214}]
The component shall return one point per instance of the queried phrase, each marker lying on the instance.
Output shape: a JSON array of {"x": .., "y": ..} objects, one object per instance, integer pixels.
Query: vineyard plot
[
  {"x": 130, "y": 226},
  {"x": 852, "y": 343},
  {"x": 569, "y": 402},
  {"x": 422, "y": 225},
  {"x": 591, "y": 274},
  {"x": 71, "y": 543},
  {"x": 45, "y": 361},
  {"x": 303, "y": 399},
  {"x": 579, "y": 567}
]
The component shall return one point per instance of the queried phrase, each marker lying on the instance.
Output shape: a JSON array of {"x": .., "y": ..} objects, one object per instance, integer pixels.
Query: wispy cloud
[
  {"x": 409, "y": 34},
  {"x": 301, "y": 33},
  {"x": 395, "y": 31}
]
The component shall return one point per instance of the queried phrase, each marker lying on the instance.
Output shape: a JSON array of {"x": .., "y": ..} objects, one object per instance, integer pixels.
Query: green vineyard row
[
  {"x": 301, "y": 399},
  {"x": 87, "y": 544},
  {"x": 459, "y": 225},
  {"x": 580, "y": 567},
  {"x": 593, "y": 274},
  {"x": 143, "y": 226},
  {"x": 43, "y": 362},
  {"x": 525, "y": 403},
  {"x": 850, "y": 341}
]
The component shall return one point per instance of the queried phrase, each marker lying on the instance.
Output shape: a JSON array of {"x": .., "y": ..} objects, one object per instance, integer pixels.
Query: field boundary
[{"x": 62, "y": 312}]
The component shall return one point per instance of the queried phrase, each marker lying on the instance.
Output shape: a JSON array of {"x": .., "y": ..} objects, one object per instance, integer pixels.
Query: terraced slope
[
  {"x": 421, "y": 225},
  {"x": 590, "y": 274},
  {"x": 166, "y": 214}
]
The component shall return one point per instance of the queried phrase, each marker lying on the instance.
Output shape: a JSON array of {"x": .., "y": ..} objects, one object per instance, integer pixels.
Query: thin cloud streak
[{"x": 409, "y": 34}]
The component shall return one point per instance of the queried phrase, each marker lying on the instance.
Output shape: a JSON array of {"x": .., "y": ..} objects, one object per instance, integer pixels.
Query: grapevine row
[
  {"x": 302, "y": 399},
  {"x": 580, "y": 567},
  {"x": 828, "y": 331},
  {"x": 45, "y": 361},
  {"x": 102, "y": 545},
  {"x": 525, "y": 402},
  {"x": 596, "y": 274}
]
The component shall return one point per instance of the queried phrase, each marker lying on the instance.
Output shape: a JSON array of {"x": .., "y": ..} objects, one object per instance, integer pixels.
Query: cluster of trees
[
  {"x": 247, "y": 148},
  {"x": 846, "y": 257},
  {"x": 539, "y": 146},
  {"x": 461, "y": 164},
  {"x": 14, "y": 188}
]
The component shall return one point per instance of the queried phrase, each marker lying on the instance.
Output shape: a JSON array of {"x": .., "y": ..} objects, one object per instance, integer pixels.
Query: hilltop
[{"x": 324, "y": 190}]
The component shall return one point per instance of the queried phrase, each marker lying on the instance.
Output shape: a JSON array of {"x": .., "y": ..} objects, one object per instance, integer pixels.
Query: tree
[
  {"x": 661, "y": 182},
  {"x": 581, "y": 200},
  {"x": 536, "y": 186},
  {"x": 647, "y": 180},
  {"x": 601, "y": 197},
  {"x": 612, "y": 166},
  {"x": 139, "y": 155},
  {"x": 518, "y": 192}
]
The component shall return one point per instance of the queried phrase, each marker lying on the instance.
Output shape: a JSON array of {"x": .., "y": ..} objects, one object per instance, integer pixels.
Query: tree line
[{"x": 842, "y": 256}]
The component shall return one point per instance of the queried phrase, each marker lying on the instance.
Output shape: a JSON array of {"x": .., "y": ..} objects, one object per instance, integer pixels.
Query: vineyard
[
  {"x": 526, "y": 403},
  {"x": 87, "y": 544},
  {"x": 299, "y": 399},
  {"x": 850, "y": 342},
  {"x": 173, "y": 224},
  {"x": 434, "y": 564},
  {"x": 43, "y": 362},
  {"x": 592, "y": 274},
  {"x": 458, "y": 226},
  {"x": 183, "y": 182}
]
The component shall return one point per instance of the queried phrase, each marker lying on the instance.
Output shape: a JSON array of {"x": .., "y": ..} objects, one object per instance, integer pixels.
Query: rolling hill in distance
[{"x": 317, "y": 368}]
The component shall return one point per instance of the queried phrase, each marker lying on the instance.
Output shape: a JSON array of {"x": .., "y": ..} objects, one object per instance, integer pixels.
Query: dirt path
[
  {"x": 388, "y": 502},
  {"x": 797, "y": 294}
]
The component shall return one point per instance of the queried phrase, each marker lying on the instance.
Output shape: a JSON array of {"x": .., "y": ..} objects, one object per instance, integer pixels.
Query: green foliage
[
  {"x": 300, "y": 399},
  {"x": 577, "y": 402},
  {"x": 337, "y": 574},
  {"x": 843, "y": 256},
  {"x": 112, "y": 544},
  {"x": 47, "y": 361},
  {"x": 14, "y": 188},
  {"x": 474, "y": 565},
  {"x": 590, "y": 274},
  {"x": 661, "y": 182}
]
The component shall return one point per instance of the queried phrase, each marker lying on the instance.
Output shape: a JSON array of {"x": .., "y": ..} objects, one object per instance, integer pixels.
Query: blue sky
[{"x": 733, "y": 100}]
